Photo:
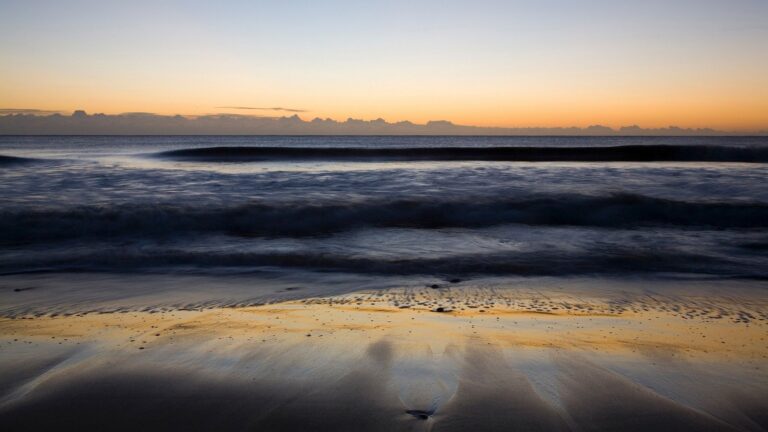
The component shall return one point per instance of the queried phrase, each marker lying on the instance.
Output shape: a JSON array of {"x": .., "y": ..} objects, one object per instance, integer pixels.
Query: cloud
[
  {"x": 33, "y": 111},
  {"x": 293, "y": 110},
  {"x": 226, "y": 115},
  {"x": 140, "y": 114},
  {"x": 81, "y": 123}
]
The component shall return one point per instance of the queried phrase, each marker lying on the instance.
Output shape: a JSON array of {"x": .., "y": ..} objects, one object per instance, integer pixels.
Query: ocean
[{"x": 337, "y": 213}]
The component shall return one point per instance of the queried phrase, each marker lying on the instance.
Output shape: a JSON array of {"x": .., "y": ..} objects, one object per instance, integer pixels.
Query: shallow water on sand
[{"x": 588, "y": 355}]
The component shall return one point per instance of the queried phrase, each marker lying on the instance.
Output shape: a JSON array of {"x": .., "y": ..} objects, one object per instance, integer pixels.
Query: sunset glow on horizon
[{"x": 697, "y": 64}]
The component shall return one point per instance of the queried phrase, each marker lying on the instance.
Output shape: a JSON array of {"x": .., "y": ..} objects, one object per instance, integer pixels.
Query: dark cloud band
[{"x": 294, "y": 110}]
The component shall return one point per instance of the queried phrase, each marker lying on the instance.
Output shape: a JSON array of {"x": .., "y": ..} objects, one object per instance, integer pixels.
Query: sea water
[{"x": 356, "y": 210}]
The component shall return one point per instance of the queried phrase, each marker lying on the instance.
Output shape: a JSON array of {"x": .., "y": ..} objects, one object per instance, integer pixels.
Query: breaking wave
[
  {"x": 306, "y": 219},
  {"x": 625, "y": 153},
  {"x": 14, "y": 160}
]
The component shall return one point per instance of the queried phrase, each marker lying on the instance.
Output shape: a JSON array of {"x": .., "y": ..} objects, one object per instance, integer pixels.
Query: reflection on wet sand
[{"x": 441, "y": 359}]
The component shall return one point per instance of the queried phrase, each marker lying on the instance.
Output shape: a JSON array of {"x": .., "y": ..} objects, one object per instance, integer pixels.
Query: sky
[{"x": 511, "y": 63}]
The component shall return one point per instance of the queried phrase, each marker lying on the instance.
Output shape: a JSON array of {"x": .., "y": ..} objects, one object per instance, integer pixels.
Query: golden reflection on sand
[
  {"x": 421, "y": 355},
  {"x": 508, "y": 323}
]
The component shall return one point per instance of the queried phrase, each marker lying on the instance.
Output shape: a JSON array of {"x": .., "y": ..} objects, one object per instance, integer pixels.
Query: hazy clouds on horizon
[{"x": 33, "y": 122}]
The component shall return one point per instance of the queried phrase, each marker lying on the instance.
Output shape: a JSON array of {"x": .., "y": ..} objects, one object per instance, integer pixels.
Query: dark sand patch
[
  {"x": 599, "y": 400},
  {"x": 493, "y": 396}
]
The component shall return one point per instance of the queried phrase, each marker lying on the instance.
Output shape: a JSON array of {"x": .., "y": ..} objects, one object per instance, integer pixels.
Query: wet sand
[{"x": 443, "y": 356}]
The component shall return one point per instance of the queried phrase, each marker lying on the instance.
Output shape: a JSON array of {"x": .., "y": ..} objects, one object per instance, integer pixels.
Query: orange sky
[{"x": 490, "y": 63}]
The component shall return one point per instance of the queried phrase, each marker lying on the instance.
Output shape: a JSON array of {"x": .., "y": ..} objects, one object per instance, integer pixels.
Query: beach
[{"x": 452, "y": 355}]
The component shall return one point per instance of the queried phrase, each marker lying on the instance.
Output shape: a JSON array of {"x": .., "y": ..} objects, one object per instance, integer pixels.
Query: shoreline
[{"x": 388, "y": 360}]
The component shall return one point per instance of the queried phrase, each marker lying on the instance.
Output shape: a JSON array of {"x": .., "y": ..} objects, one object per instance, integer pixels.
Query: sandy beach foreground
[{"x": 443, "y": 358}]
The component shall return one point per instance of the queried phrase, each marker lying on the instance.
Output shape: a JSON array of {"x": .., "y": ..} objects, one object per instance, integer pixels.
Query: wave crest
[
  {"x": 302, "y": 219},
  {"x": 626, "y": 153}
]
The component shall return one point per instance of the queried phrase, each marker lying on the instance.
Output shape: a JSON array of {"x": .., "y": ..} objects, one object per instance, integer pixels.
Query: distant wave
[
  {"x": 302, "y": 219},
  {"x": 13, "y": 160},
  {"x": 626, "y": 153}
]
